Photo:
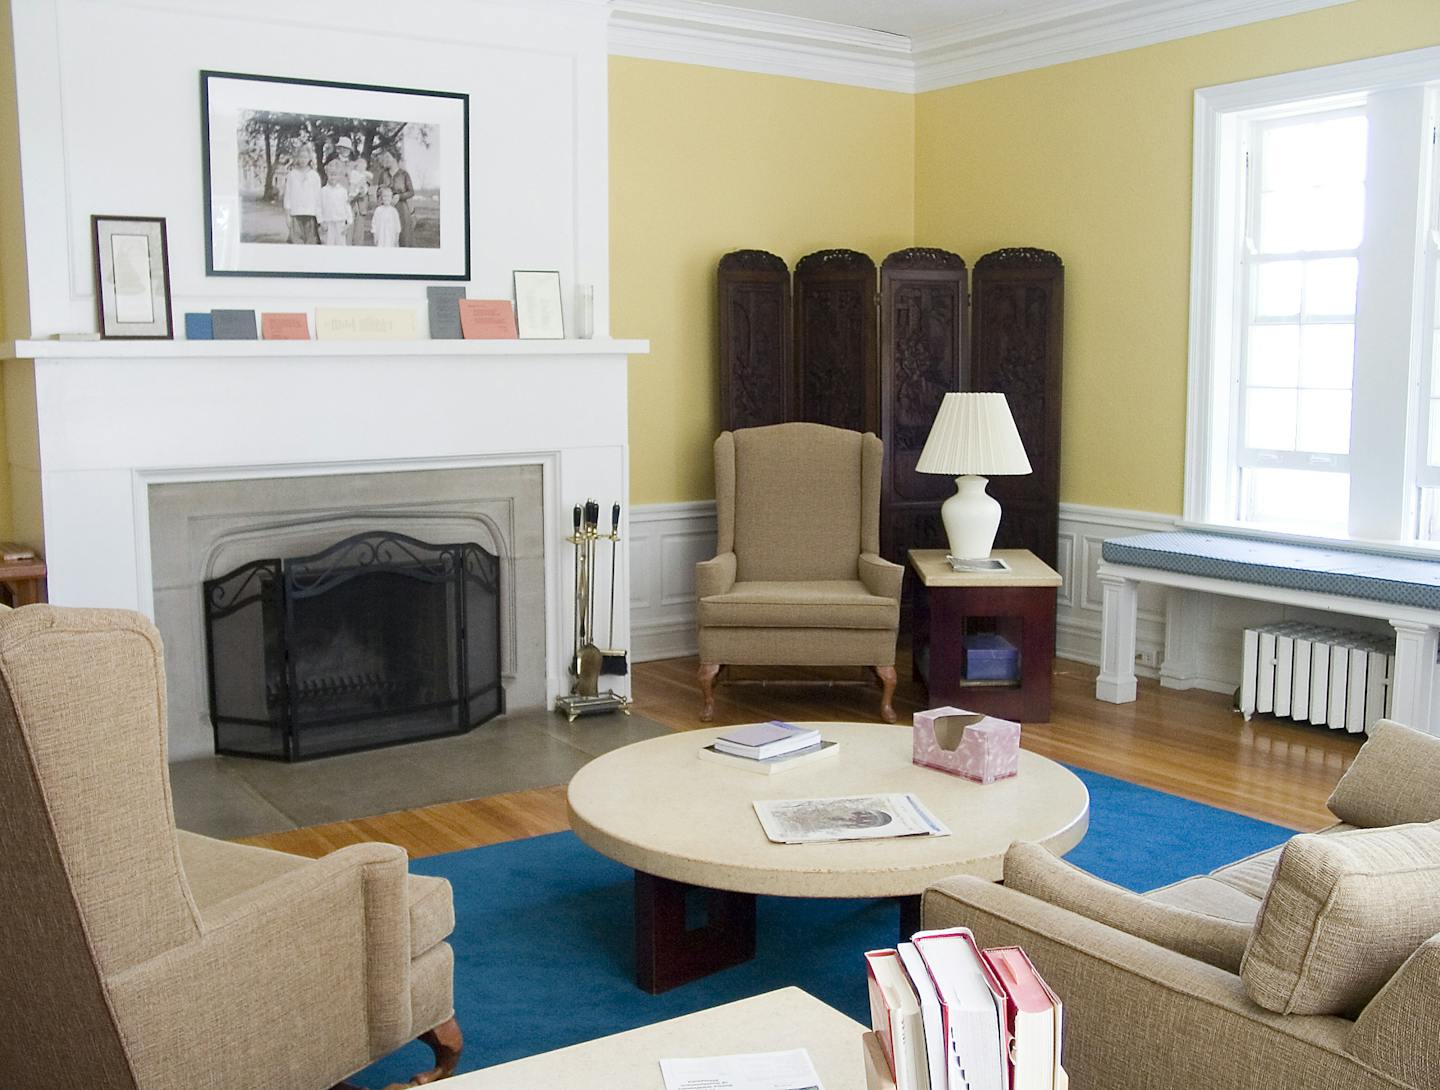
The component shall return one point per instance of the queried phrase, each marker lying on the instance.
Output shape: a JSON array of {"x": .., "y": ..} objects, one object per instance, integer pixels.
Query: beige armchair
[
  {"x": 136, "y": 957},
  {"x": 798, "y": 579},
  {"x": 1166, "y": 989}
]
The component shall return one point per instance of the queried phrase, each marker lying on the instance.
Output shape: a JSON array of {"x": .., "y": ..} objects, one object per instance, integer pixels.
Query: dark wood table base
[{"x": 669, "y": 952}]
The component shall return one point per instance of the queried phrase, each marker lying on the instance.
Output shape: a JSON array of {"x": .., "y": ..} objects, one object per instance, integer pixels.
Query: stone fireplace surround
[{"x": 94, "y": 427}]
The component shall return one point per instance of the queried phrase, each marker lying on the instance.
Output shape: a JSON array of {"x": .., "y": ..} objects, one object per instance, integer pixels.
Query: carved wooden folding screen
[
  {"x": 757, "y": 384},
  {"x": 1017, "y": 318},
  {"x": 924, "y": 339},
  {"x": 835, "y": 347}
]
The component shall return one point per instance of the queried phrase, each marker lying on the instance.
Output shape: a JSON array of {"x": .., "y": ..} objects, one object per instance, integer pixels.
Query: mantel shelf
[{"x": 167, "y": 350}]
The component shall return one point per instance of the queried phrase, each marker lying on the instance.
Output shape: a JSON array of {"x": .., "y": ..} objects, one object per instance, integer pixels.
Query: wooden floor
[{"x": 1187, "y": 743}]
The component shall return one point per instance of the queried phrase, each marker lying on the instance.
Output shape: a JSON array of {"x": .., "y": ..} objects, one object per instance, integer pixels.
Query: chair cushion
[
  {"x": 1208, "y": 896},
  {"x": 1394, "y": 779},
  {"x": 1252, "y": 875},
  {"x": 217, "y": 870},
  {"x": 816, "y": 603},
  {"x": 1343, "y": 913}
]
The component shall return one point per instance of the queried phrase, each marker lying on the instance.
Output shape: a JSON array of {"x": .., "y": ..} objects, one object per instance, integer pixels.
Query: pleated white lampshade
[
  {"x": 973, "y": 437},
  {"x": 974, "y": 433}
]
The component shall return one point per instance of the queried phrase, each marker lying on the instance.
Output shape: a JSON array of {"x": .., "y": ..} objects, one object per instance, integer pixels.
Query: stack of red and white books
[{"x": 948, "y": 1016}]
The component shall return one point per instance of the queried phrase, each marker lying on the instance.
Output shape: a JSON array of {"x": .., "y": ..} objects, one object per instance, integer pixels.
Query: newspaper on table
[
  {"x": 849, "y": 817},
  {"x": 756, "y": 1071}
]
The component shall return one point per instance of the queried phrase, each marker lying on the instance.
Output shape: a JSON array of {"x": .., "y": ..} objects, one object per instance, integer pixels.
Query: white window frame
[{"x": 1217, "y": 212}]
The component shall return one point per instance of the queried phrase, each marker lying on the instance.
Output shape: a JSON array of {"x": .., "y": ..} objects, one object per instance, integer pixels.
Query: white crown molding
[
  {"x": 1006, "y": 45},
  {"x": 720, "y": 36},
  {"x": 717, "y": 35}
]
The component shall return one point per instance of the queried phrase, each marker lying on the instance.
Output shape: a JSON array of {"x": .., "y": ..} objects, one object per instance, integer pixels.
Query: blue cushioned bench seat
[{"x": 1399, "y": 580}]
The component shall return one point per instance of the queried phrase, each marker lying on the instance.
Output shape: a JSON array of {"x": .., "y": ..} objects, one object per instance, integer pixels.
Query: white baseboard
[{"x": 667, "y": 540}]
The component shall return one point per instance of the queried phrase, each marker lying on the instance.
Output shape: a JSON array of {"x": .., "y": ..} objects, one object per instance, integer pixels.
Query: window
[{"x": 1315, "y": 329}]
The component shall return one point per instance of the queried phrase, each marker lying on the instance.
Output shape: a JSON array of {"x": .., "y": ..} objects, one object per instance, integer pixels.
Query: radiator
[{"x": 1314, "y": 674}]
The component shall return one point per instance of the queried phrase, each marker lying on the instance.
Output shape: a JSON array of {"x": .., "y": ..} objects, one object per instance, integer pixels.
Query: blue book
[
  {"x": 761, "y": 740},
  {"x": 199, "y": 327}
]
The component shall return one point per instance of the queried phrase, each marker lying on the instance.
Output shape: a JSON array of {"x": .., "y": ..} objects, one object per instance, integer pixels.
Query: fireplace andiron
[{"x": 587, "y": 661}]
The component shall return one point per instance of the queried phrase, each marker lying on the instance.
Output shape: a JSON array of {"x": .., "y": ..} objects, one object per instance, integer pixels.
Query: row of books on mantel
[
  {"x": 949, "y": 1016},
  {"x": 770, "y": 747}
]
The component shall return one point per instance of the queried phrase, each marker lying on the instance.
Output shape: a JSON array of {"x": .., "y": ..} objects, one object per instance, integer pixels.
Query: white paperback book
[
  {"x": 930, "y": 1016},
  {"x": 791, "y": 1070},
  {"x": 972, "y": 1008}
]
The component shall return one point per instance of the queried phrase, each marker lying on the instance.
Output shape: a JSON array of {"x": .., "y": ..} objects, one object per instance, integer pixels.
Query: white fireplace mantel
[{"x": 92, "y": 425}]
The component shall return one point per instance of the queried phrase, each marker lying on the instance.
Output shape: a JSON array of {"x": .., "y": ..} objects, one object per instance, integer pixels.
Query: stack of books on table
[
  {"x": 770, "y": 747},
  {"x": 948, "y": 1016}
]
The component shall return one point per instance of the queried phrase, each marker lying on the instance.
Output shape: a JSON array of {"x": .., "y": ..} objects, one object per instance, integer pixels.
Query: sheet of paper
[
  {"x": 754, "y": 1071},
  {"x": 487, "y": 319},
  {"x": 285, "y": 327},
  {"x": 134, "y": 300},
  {"x": 849, "y": 817}
]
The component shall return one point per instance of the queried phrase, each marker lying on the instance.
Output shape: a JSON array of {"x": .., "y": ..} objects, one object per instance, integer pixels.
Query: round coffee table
[{"x": 683, "y": 823}]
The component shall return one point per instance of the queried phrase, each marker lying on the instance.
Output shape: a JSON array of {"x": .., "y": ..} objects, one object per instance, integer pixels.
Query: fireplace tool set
[{"x": 588, "y": 661}]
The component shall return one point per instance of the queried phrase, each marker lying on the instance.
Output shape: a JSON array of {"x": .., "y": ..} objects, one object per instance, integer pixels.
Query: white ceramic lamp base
[{"x": 971, "y": 517}]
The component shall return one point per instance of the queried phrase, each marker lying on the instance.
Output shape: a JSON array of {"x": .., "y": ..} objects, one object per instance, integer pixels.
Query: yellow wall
[
  {"x": 704, "y": 161},
  {"x": 1092, "y": 159}
]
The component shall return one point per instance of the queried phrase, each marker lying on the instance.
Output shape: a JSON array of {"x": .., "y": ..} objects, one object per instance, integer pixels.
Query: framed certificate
[
  {"x": 132, "y": 277},
  {"x": 538, "y": 311}
]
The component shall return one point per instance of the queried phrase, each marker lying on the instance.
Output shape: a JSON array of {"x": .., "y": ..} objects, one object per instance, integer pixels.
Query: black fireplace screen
[{"x": 376, "y": 640}]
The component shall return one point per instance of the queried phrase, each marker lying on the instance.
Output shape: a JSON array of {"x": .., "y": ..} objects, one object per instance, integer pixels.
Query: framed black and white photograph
[
  {"x": 539, "y": 313},
  {"x": 132, "y": 277},
  {"x": 312, "y": 178}
]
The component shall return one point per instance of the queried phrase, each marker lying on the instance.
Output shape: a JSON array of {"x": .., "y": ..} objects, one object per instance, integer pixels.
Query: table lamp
[{"x": 973, "y": 437}]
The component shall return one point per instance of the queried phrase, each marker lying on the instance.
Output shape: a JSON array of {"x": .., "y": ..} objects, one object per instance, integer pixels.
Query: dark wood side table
[
  {"x": 1019, "y": 604},
  {"x": 22, "y": 582}
]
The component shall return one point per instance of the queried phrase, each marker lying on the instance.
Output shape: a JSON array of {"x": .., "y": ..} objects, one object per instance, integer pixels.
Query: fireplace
[{"x": 379, "y": 639}]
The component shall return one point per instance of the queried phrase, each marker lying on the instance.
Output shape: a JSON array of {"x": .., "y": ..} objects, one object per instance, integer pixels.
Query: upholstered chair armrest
[
  {"x": 313, "y": 965},
  {"x": 1140, "y": 1015},
  {"x": 1396, "y": 1032},
  {"x": 715, "y": 576},
  {"x": 881, "y": 577},
  {"x": 1031, "y": 869}
]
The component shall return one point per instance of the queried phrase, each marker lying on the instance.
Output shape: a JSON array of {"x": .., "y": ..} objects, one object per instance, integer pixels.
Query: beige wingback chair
[
  {"x": 798, "y": 579},
  {"x": 1166, "y": 989},
  {"x": 133, "y": 957}
]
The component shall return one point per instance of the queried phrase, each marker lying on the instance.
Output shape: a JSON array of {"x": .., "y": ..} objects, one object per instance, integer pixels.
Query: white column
[
  {"x": 1116, "y": 683},
  {"x": 1413, "y": 685},
  {"x": 1187, "y": 620}
]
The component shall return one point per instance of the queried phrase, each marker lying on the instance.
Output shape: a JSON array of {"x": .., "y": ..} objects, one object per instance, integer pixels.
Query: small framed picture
[
  {"x": 538, "y": 312},
  {"x": 132, "y": 277}
]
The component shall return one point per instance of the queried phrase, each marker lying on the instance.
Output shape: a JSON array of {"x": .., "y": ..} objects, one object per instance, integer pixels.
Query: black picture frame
[
  {"x": 228, "y": 255},
  {"x": 112, "y": 321}
]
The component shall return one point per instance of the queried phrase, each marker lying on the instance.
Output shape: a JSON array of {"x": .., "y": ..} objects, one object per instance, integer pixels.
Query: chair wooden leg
[
  {"x": 708, "y": 672},
  {"x": 446, "y": 1041},
  {"x": 886, "y": 674}
]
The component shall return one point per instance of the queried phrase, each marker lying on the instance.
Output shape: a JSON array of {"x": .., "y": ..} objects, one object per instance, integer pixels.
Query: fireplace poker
[
  {"x": 588, "y": 658},
  {"x": 575, "y": 634},
  {"x": 613, "y": 659}
]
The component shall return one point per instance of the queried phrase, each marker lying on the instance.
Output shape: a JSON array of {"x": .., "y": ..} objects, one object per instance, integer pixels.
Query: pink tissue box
[{"x": 978, "y": 747}]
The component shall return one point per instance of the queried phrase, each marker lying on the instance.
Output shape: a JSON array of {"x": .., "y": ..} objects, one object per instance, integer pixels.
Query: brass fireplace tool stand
[{"x": 588, "y": 661}]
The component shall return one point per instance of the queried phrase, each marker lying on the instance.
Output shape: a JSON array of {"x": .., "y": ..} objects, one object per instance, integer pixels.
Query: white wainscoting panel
[{"x": 667, "y": 540}]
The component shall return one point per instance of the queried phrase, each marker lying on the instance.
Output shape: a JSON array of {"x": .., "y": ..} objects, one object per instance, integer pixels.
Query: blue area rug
[{"x": 543, "y": 941}]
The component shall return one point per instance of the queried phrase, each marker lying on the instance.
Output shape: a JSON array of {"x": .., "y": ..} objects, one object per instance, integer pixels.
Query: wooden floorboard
[{"x": 1188, "y": 743}]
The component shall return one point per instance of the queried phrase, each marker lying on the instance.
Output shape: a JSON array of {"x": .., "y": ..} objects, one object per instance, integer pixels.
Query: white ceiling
[{"x": 914, "y": 18}]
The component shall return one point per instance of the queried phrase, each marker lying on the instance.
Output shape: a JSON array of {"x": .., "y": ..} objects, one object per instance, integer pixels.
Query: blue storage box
[{"x": 989, "y": 656}]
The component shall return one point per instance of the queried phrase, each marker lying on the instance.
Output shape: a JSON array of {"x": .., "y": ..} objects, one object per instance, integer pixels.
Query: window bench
[{"x": 1404, "y": 591}]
